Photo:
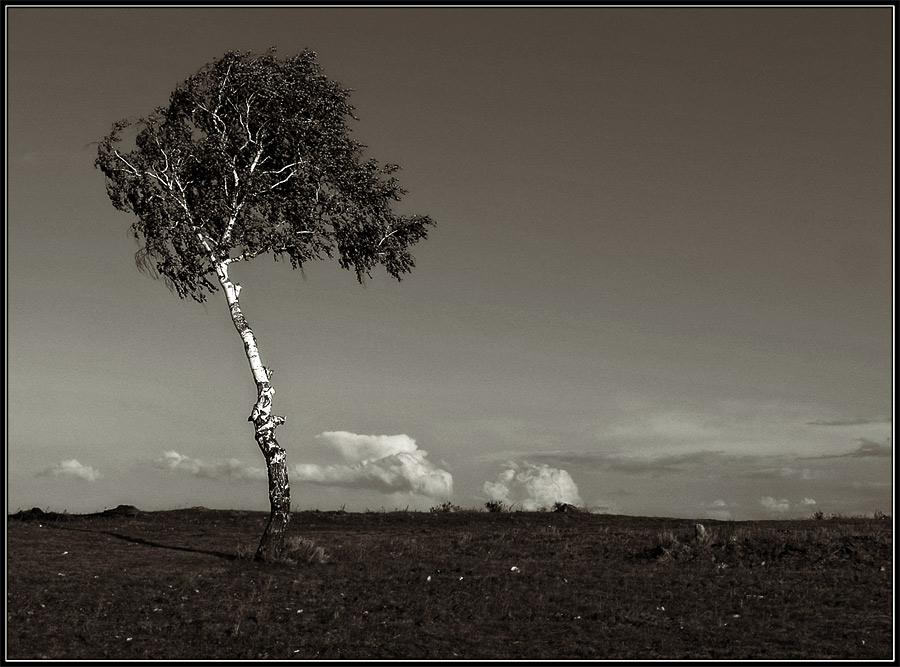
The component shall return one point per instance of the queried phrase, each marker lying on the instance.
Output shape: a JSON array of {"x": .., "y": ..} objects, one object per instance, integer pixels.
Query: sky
[{"x": 660, "y": 284}]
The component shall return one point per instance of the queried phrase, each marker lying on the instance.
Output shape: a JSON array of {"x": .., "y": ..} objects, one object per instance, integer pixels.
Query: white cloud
[
  {"x": 773, "y": 505},
  {"x": 232, "y": 469},
  {"x": 386, "y": 463},
  {"x": 533, "y": 487},
  {"x": 356, "y": 448},
  {"x": 73, "y": 469},
  {"x": 808, "y": 501},
  {"x": 717, "y": 509}
]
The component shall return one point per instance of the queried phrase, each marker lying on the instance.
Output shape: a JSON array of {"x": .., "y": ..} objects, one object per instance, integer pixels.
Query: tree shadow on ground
[
  {"x": 140, "y": 540},
  {"x": 149, "y": 543}
]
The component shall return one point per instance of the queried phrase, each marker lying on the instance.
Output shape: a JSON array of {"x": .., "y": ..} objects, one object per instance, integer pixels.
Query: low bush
[
  {"x": 445, "y": 508},
  {"x": 737, "y": 545}
]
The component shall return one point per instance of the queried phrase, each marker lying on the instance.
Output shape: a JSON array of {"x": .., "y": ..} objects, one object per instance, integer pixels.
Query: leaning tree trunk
[{"x": 265, "y": 424}]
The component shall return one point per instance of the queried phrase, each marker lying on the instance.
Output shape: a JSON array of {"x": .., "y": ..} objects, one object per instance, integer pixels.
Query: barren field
[{"x": 446, "y": 585}]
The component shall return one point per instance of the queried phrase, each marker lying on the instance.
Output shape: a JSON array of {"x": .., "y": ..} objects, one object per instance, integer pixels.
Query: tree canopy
[{"x": 253, "y": 155}]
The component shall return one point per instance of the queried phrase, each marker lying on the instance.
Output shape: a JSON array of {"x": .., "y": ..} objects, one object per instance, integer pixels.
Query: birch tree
[{"x": 253, "y": 156}]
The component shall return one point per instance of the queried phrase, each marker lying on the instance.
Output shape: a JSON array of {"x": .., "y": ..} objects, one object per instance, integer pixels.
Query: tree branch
[
  {"x": 243, "y": 257},
  {"x": 130, "y": 166},
  {"x": 163, "y": 154},
  {"x": 283, "y": 180},
  {"x": 278, "y": 171},
  {"x": 256, "y": 159},
  {"x": 215, "y": 114},
  {"x": 386, "y": 238}
]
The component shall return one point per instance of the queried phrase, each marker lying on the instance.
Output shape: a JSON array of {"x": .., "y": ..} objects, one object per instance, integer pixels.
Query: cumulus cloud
[
  {"x": 386, "y": 463},
  {"x": 533, "y": 487},
  {"x": 356, "y": 448},
  {"x": 232, "y": 469},
  {"x": 808, "y": 501},
  {"x": 773, "y": 505},
  {"x": 72, "y": 469}
]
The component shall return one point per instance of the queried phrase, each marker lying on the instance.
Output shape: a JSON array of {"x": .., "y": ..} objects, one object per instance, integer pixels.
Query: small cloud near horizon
[
  {"x": 72, "y": 468},
  {"x": 231, "y": 469},
  {"x": 776, "y": 506},
  {"x": 533, "y": 487},
  {"x": 718, "y": 509}
]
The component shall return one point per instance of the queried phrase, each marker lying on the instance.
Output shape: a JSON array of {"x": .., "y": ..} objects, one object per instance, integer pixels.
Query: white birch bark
[{"x": 264, "y": 423}]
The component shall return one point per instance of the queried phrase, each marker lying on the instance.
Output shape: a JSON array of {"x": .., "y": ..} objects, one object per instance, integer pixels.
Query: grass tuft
[
  {"x": 296, "y": 551},
  {"x": 445, "y": 508},
  {"x": 495, "y": 506},
  {"x": 299, "y": 550}
]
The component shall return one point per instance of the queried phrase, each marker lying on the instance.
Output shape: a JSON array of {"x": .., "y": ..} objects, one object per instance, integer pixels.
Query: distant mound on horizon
[{"x": 37, "y": 514}]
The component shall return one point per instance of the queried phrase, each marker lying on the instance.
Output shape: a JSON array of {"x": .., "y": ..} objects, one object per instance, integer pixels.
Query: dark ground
[{"x": 126, "y": 584}]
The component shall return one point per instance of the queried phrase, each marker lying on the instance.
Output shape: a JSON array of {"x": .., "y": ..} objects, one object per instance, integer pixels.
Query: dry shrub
[
  {"x": 296, "y": 550},
  {"x": 445, "y": 508},
  {"x": 302, "y": 550}
]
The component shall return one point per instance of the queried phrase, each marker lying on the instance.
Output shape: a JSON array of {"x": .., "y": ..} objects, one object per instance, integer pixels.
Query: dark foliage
[{"x": 253, "y": 155}]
